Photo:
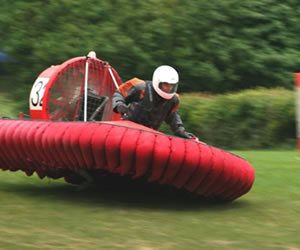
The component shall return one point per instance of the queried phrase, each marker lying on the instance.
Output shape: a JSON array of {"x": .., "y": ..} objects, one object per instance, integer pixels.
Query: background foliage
[
  {"x": 217, "y": 46},
  {"x": 249, "y": 119}
]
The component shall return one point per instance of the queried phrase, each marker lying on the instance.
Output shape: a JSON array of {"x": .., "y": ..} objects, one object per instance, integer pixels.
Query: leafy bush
[
  {"x": 257, "y": 118},
  {"x": 8, "y": 107}
]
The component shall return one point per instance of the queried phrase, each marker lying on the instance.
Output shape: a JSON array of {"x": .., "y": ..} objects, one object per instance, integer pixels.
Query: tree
[{"x": 216, "y": 46}]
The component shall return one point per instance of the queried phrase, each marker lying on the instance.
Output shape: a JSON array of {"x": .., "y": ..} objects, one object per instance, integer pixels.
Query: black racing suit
[{"x": 146, "y": 107}]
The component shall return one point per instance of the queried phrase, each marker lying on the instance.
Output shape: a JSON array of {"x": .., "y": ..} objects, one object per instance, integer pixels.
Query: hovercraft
[{"x": 73, "y": 130}]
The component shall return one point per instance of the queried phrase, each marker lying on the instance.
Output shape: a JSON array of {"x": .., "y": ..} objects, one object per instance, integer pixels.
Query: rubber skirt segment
[
  {"x": 176, "y": 160},
  {"x": 112, "y": 147},
  {"x": 161, "y": 155},
  {"x": 98, "y": 146},
  {"x": 191, "y": 161},
  {"x": 125, "y": 148},
  {"x": 144, "y": 153},
  {"x": 128, "y": 152},
  {"x": 201, "y": 169}
]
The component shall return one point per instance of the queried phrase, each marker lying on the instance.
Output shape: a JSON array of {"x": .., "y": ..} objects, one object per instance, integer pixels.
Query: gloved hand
[
  {"x": 122, "y": 108},
  {"x": 182, "y": 133}
]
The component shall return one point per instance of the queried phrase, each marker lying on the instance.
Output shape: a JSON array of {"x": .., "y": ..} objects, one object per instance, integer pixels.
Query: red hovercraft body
[{"x": 73, "y": 128}]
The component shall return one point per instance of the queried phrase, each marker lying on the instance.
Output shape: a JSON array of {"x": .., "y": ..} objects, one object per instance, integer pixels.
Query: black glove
[
  {"x": 182, "y": 133},
  {"x": 122, "y": 108}
]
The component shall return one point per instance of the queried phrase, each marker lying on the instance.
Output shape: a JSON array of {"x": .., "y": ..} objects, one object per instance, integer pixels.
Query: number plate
[{"x": 37, "y": 93}]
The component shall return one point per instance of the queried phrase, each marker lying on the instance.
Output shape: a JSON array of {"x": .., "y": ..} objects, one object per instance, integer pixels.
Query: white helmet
[{"x": 165, "y": 81}]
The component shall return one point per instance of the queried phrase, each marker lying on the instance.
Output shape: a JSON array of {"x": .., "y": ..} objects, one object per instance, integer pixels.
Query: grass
[{"x": 48, "y": 214}]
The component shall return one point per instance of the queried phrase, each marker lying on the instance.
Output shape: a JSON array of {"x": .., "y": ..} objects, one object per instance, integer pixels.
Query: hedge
[{"x": 252, "y": 119}]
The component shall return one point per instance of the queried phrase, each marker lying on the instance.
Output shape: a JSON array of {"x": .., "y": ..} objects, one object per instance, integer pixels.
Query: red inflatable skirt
[{"x": 55, "y": 148}]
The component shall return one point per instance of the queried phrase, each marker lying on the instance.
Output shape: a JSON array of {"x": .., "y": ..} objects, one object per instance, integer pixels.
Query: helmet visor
[{"x": 168, "y": 88}]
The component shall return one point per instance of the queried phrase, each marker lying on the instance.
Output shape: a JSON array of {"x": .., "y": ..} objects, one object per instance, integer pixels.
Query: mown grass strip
[{"x": 48, "y": 214}]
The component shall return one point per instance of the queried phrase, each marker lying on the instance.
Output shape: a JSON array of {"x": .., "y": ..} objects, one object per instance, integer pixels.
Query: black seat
[{"x": 95, "y": 107}]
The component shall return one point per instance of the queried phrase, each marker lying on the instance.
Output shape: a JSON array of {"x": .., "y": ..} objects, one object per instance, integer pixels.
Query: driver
[{"x": 151, "y": 102}]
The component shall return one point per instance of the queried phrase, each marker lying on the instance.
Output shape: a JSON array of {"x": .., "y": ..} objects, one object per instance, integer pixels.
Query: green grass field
[{"x": 49, "y": 214}]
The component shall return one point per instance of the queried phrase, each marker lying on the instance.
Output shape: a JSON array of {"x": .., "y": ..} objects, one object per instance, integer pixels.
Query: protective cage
[{"x": 58, "y": 92}]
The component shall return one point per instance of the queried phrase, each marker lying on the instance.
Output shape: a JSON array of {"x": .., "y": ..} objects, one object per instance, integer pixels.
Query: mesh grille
[{"x": 66, "y": 95}]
